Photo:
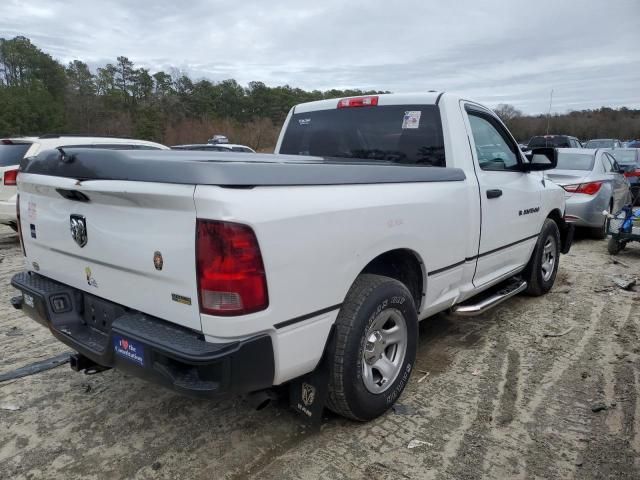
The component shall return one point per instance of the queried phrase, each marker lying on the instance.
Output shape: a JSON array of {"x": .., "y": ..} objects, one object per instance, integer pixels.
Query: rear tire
[
  {"x": 614, "y": 246},
  {"x": 374, "y": 348},
  {"x": 540, "y": 272}
]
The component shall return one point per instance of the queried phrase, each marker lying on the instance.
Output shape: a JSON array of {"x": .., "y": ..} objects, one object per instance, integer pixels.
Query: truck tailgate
[{"x": 140, "y": 241}]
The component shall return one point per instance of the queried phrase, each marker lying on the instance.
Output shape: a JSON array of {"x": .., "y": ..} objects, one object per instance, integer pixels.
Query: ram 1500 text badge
[{"x": 216, "y": 273}]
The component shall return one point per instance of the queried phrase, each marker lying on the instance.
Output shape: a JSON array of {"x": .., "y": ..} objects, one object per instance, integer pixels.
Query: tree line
[
  {"x": 40, "y": 95},
  {"x": 623, "y": 123}
]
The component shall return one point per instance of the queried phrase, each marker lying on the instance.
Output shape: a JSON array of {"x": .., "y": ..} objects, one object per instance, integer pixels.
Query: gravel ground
[{"x": 492, "y": 397}]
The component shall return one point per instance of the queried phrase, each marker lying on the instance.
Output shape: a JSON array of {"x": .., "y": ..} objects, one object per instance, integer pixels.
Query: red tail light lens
[
  {"x": 231, "y": 278},
  {"x": 370, "y": 101},
  {"x": 11, "y": 177},
  {"x": 587, "y": 188},
  {"x": 24, "y": 252},
  {"x": 633, "y": 173}
]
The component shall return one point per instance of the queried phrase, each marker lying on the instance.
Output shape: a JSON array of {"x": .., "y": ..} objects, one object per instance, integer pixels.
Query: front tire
[
  {"x": 374, "y": 348},
  {"x": 541, "y": 271}
]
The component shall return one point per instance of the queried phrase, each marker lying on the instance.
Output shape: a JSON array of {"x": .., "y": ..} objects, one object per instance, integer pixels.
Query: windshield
[
  {"x": 400, "y": 134},
  {"x": 558, "y": 142},
  {"x": 624, "y": 156},
  {"x": 11, "y": 154},
  {"x": 599, "y": 144},
  {"x": 575, "y": 161}
]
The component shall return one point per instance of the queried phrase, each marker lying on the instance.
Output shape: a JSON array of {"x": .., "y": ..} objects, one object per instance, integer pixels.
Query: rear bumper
[
  {"x": 145, "y": 346},
  {"x": 586, "y": 210},
  {"x": 8, "y": 212}
]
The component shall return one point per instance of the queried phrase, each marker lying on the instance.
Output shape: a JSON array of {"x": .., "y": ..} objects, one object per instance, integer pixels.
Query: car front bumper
[{"x": 113, "y": 336}]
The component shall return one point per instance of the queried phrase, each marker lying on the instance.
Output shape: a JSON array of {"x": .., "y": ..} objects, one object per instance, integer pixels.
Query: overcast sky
[{"x": 495, "y": 51}]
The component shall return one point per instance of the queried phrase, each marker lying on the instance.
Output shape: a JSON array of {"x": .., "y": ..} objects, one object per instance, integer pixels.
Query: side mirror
[{"x": 543, "y": 158}]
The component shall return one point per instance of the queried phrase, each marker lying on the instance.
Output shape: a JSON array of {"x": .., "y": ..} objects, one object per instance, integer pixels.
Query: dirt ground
[{"x": 492, "y": 397}]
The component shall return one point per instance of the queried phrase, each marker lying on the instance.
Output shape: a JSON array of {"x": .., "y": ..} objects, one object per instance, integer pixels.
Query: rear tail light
[
  {"x": 633, "y": 173},
  {"x": 231, "y": 278},
  {"x": 10, "y": 177},
  {"x": 590, "y": 188},
  {"x": 24, "y": 252},
  {"x": 370, "y": 101}
]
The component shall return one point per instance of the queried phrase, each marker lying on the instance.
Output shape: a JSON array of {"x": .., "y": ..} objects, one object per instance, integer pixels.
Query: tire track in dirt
[
  {"x": 470, "y": 443},
  {"x": 509, "y": 389},
  {"x": 616, "y": 449},
  {"x": 530, "y": 366},
  {"x": 560, "y": 413}
]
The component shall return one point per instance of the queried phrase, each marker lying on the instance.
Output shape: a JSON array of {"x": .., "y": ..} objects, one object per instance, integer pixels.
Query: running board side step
[{"x": 475, "y": 307}]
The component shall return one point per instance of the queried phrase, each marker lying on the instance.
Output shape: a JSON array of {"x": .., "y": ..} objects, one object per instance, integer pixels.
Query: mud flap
[
  {"x": 566, "y": 237},
  {"x": 308, "y": 394}
]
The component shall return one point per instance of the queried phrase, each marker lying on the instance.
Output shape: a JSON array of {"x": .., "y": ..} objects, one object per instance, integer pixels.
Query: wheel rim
[
  {"x": 548, "y": 258},
  {"x": 384, "y": 350}
]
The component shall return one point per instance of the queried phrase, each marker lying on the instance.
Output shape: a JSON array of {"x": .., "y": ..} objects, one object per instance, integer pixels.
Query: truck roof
[{"x": 428, "y": 98}]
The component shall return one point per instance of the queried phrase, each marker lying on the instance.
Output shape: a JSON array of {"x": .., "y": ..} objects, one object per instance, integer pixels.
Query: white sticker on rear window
[
  {"x": 304, "y": 121},
  {"x": 411, "y": 119}
]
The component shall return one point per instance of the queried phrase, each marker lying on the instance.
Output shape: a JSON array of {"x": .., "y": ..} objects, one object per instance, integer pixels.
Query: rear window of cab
[{"x": 395, "y": 134}]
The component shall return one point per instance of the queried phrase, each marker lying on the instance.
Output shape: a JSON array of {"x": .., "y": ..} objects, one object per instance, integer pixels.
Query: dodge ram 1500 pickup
[{"x": 215, "y": 273}]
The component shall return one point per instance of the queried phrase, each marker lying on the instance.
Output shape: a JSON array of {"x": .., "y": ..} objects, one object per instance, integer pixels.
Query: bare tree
[{"x": 507, "y": 112}]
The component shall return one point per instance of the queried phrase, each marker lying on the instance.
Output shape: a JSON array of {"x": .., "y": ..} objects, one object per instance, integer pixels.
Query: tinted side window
[
  {"x": 614, "y": 164},
  {"x": 494, "y": 148}
]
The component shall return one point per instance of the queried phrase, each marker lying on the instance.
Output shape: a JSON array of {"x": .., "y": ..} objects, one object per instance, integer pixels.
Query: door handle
[{"x": 494, "y": 193}]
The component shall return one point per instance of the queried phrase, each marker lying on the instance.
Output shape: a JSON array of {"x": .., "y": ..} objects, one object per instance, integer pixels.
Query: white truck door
[{"x": 510, "y": 198}]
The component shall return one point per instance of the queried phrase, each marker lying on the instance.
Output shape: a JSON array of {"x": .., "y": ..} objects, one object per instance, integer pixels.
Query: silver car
[{"x": 593, "y": 182}]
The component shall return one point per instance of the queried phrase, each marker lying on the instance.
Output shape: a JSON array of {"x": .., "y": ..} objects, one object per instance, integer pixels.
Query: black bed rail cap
[{"x": 231, "y": 169}]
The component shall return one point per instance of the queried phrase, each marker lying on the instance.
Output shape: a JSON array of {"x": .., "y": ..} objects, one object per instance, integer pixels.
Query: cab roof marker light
[{"x": 368, "y": 101}]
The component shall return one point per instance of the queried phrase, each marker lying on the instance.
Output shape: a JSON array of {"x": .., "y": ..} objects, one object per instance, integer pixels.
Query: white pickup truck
[{"x": 216, "y": 273}]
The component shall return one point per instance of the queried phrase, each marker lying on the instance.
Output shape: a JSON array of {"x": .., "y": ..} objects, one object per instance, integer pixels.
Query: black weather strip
[{"x": 302, "y": 318}]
